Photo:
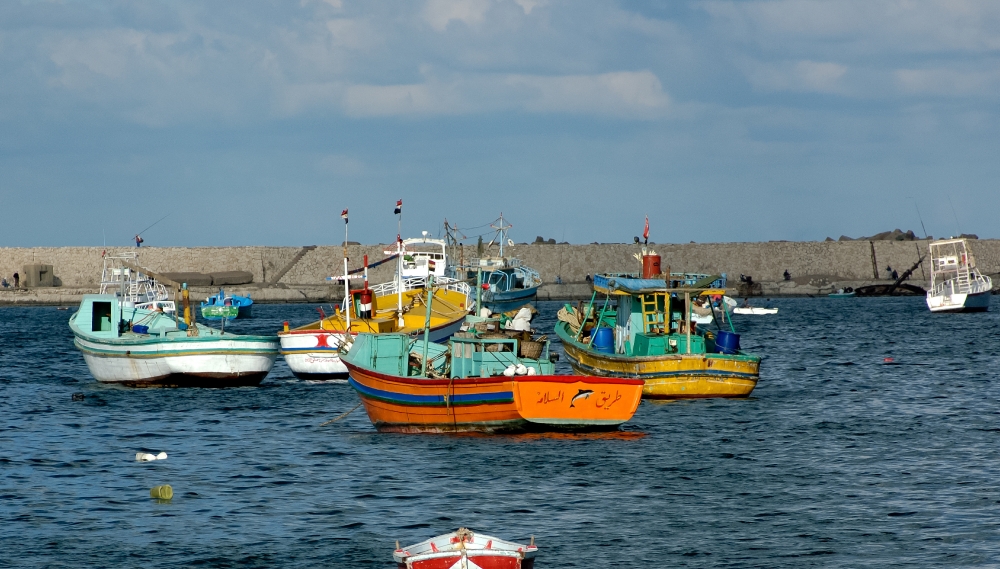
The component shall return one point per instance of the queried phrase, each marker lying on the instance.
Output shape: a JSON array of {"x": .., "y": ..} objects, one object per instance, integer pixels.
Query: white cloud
[
  {"x": 637, "y": 94},
  {"x": 894, "y": 26},
  {"x": 801, "y": 76},
  {"x": 351, "y": 34},
  {"x": 624, "y": 93},
  {"x": 529, "y": 5},
  {"x": 948, "y": 82},
  {"x": 389, "y": 100},
  {"x": 439, "y": 13}
]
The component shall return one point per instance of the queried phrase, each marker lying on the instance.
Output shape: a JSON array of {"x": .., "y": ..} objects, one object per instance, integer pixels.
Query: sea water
[{"x": 840, "y": 458}]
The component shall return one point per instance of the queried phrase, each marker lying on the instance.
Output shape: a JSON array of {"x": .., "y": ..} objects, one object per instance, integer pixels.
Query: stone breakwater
[{"x": 298, "y": 274}]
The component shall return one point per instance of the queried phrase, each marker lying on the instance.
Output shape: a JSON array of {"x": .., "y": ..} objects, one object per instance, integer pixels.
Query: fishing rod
[{"x": 151, "y": 226}]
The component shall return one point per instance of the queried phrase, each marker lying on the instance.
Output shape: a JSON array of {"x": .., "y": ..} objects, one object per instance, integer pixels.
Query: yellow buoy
[{"x": 164, "y": 492}]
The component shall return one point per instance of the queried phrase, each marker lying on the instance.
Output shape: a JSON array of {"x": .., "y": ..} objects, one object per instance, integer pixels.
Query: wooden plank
[{"x": 159, "y": 278}]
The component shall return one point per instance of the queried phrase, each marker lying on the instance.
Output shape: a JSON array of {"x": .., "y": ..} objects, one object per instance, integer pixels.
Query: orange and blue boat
[{"x": 479, "y": 384}]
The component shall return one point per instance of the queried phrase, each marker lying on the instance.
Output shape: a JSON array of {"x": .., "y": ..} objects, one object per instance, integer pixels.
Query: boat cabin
[
  {"x": 467, "y": 355},
  {"x": 105, "y": 316},
  {"x": 420, "y": 253},
  {"x": 642, "y": 317}
]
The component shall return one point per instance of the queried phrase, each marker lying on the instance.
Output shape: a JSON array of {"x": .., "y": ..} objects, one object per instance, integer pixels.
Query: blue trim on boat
[{"x": 438, "y": 400}]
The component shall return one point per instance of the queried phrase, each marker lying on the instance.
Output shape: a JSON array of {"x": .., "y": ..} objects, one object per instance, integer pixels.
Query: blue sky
[{"x": 257, "y": 122}]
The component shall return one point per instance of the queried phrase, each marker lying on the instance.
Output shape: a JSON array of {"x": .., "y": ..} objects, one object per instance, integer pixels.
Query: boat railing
[
  {"x": 974, "y": 283},
  {"x": 413, "y": 283}
]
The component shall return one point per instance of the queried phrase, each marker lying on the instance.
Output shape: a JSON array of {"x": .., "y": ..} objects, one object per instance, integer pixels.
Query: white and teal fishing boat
[
  {"x": 138, "y": 347},
  {"x": 507, "y": 283}
]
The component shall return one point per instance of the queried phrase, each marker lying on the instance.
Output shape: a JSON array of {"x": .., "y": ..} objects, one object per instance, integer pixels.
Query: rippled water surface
[{"x": 838, "y": 459}]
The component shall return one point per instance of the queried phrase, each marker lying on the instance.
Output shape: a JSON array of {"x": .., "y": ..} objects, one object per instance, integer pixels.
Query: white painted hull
[
  {"x": 959, "y": 302},
  {"x": 316, "y": 354},
  {"x": 753, "y": 310},
  {"x": 214, "y": 363}
]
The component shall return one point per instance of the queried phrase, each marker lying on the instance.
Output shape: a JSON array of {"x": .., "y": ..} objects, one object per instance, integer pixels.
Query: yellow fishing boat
[
  {"x": 399, "y": 306},
  {"x": 644, "y": 330}
]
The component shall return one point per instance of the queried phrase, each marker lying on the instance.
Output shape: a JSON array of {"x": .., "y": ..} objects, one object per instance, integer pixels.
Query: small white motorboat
[
  {"x": 956, "y": 283},
  {"x": 754, "y": 310}
]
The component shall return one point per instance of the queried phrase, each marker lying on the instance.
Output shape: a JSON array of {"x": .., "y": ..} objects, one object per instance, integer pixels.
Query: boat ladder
[{"x": 652, "y": 313}]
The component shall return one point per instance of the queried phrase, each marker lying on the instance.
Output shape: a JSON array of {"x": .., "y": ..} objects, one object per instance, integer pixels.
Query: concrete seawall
[{"x": 815, "y": 266}]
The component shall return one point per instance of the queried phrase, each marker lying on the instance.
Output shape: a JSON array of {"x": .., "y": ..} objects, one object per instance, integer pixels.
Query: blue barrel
[
  {"x": 140, "y": 329},
  {"x": 604, "y": 340},
  {"x": 727, "y": 342}
]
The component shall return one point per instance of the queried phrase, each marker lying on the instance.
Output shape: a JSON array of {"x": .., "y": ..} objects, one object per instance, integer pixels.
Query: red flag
[
  {"x": 645, "y": 232},
  {"x": 343, "y": 214},
  {"x": 399, "y": 207}
]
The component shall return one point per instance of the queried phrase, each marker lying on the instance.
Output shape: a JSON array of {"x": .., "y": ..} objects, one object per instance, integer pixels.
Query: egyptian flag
[
  {"x": 399, "y": 207},
  {"x": 645, "y": 232},
  {"x": 344, "y": 215}
]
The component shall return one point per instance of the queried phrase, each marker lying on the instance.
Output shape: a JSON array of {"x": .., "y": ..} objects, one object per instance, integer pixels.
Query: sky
[{"x": 256, "y": 122}]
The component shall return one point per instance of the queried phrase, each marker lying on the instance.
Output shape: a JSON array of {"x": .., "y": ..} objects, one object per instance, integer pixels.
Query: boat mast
[
  {"x": 427, "y": 323},
  {"x": 502, "y": 233},
  {"x": 400, "y": 321},
  {"x": 347, "y": 288}
]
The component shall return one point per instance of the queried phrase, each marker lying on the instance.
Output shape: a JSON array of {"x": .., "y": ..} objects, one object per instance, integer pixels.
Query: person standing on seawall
[
  {"x": 788, "y": 275},
  {"x": 138, "y": 241}
]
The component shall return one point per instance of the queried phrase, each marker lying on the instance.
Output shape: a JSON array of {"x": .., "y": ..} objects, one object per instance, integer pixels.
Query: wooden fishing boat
[
  {"x": 229, "y": 307},
  {"x": 479, "y": 384},
  {"x": 644, "y": 331},
  {"x": 956, "y": 283},
  {"x": 137, "y": 347},
  {"x": 506, "y": 282},
  {"x": 466, "y": 549},
  {"x": 312, "y": 351}
]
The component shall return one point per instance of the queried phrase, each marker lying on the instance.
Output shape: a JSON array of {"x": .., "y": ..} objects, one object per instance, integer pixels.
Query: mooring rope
[{"x": 341, "y": 416}]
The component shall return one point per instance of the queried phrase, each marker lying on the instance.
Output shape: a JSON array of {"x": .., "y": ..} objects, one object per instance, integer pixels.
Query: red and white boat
[{"x": 466, "y": 549}]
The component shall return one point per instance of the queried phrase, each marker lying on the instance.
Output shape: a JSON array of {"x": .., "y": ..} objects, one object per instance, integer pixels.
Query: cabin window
[{"x": 101, "y": 317}]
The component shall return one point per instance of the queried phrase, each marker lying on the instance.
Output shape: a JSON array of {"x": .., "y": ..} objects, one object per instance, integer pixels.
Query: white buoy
[
  {"x": 521, "y": 369},
  {"x": 510, "y": 371},
  {"x": 532, "y": 371},
  {"x": 146, "y": 457}
]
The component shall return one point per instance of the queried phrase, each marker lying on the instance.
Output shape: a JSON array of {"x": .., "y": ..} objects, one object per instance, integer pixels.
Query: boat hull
[
  {"x": 754, "y": 311},
  {"x": 315, "y": 354},
  {"x": 214, "y": 363},
  {"x": 960, "y": 302},
  {"x": 482, "y": 559},
  {"x": 404, "y": 405},
  {"x": 577, "y": 402},
  {"x": 495, "y": 404},
  {"x": 511, "y": 299},
  {"x": 680, "y": 376}
]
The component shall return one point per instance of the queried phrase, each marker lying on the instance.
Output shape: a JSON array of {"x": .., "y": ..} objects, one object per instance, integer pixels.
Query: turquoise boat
[
  {"x": 229, "y": 307},
  {"x": 843, "y": 293},
  {"x": 137, "y": 347}
]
